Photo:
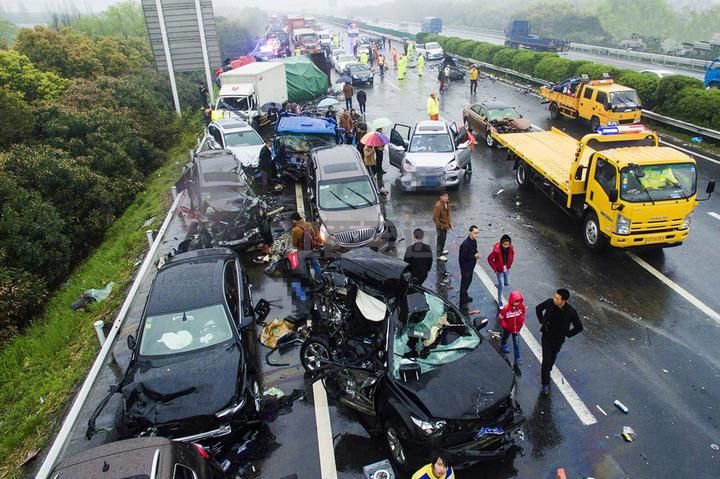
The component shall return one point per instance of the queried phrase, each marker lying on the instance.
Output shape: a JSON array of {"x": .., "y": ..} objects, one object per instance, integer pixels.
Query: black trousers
[
  {"x": 348, "y": 103},
  {"x": 440, "y": 245},
  {"x": 362, "y": 108},
  {"x": 465, "y": 280},
  {"x": 473, "y": 86},
  {"x": 550, "y": 349}
]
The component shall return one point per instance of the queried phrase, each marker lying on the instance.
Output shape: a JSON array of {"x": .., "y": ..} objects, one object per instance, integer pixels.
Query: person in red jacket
[
  {"x": 500, "y": 260},
  {"x": 512, "y": 319}
]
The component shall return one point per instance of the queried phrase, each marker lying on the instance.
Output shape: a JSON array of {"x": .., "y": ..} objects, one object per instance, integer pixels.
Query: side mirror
[
  {"x": 480, "y": 323},
  {"x": 613, "y": 195},
  {"x": 579, "y": 172},
  {"x": 131, "y": 342},
  {"x": 710, "y": 187}
]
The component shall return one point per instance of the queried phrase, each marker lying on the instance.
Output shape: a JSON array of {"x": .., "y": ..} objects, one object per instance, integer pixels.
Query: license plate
[
  {"x": 430, "y": 181},
  {"x": 489, "y": 431},
  {"x": 654, "y": 239}
]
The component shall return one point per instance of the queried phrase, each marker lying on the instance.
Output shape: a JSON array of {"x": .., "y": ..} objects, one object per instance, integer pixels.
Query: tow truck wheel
[
  {"x": 594, "y": 238},
  {"x": 522, "y": 176},
  {"x": 554, "y": 111},
  {"x": 594, "y": 124},
  {"x": 489, "y": 140}
]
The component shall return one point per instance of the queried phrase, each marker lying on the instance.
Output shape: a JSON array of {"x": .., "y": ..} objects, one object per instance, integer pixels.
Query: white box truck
[{"x": 244, "y": 90}]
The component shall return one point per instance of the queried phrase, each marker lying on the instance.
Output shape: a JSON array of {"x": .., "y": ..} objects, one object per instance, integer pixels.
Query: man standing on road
[
  {"x": 420, "y": 65},
  {"x": 555, "y": 316},
  {"x": 467, "y": 258},
  {"x": 362, "y": 99},
  {"x": 473, "y": 75},
  {"x": 265, "y": 165},
  {"x": 419, "y": 256},
  {"x": 433, "y": 107},
  {"x": 348, "y": 92},
  {"x": 394, "y": 57},
  {"x": 402, "y": 67},
  {"x": 443, "y": 223}
]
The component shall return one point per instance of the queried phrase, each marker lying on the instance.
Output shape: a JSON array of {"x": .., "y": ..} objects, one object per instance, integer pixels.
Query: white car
[
  {"x": 337, "y": 51},
  {"x": 429, "y": 155},
  {"x": 325, "y": 38},
  {"x": 343, "y": 61},
  {"x": 659, "y": 73},
  {"x": 431, "y": 51},
  {"x": 234, "y": 135}
]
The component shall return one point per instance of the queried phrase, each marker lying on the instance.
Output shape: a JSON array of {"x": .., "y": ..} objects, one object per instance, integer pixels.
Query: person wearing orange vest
[
  {"x": 433, "y": 107},
  {"x": 381, "y": 64},
  {"x": 394, "y": 57}
]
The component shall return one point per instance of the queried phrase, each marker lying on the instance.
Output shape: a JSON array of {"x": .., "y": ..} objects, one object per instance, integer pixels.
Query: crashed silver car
[
  {"x": 345, "y": 198},
  {"x": 429, "y": 156}
]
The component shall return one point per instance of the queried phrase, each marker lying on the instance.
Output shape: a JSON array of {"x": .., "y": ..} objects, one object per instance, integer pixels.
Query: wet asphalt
[{"x": 644, "y": 343}]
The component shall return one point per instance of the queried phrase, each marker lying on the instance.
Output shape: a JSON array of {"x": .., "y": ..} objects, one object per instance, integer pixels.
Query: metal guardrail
[{"x": 645, "y": 57}]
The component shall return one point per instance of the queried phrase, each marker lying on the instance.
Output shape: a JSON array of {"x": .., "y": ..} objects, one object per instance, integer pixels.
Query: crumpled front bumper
[{"x": 415, "y": 181}]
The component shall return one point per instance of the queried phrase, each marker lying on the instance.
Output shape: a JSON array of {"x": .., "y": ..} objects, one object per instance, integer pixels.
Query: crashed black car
[
  {"x": 229, "y": 212},
  {"x": 193, "y": 373},
  {"x": 411, "y": 364}
]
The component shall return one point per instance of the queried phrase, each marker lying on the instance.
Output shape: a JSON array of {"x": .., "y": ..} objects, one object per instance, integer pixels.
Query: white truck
[{"x": 244, "y": 90}]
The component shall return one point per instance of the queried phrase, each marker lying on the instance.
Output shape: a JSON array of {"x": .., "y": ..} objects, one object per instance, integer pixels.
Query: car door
[
  {"x": 587, "y": 103},
  {"x": 484, "y": 125},
  {"x": 462, "y": 152},
  {"x": 215, "y": 133},
  {"x": 602, "y": 107},
  {"x": 397, "y": 148}
]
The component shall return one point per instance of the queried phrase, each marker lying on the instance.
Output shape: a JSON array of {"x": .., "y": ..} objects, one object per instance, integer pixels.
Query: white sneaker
[
  {"x": 445, "y": 252},
  {"x": 442, "y": 258}
]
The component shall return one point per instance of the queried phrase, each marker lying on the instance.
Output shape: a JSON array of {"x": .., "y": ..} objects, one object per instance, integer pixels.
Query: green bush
[
  {"x": 697, "y": 106},
  {"x": 668, "y": 89},
  {"x": 644, "y": 84},
  {"x": 21, "y": 296},
  {"x": 465, "y": 49},
  {"x": 484, "y": 51},
  {"x": 452, "y": 44},
  {"x": 553, "y": 69},
  {"x": 595, "y": 71},
  {"x": 525, "y": 61},
  {"x": 504, "y": 58},
  {"x": 577, "y": 66}
]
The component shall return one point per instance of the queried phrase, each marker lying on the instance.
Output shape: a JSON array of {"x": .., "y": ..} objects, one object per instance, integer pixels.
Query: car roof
[
  {"x": 232, "y": 124},
  {"x": 430, "y": 127},
  {"x": 495, "y": 105},
  {"x": 116, "y": 460},
  {"x": 220, "y": 167},
  {"x": 188, "y": 281},
  {"x": 338, "y": 162},
  {"x": 306, "y": 124}
]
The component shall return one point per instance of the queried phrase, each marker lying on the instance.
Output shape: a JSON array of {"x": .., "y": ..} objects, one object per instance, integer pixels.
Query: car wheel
[
  {"x": 314, "y": 351},
  {"x": 522, "y": 176},
  {"x": 489, "y": 140},
  {"x": 594, "y": 124},
  {"x": 554, "y": 111},
  {"x": 592, "y": 235},
  {"x": 390, "y": 233},
  {"x": 395, "y": 445}
]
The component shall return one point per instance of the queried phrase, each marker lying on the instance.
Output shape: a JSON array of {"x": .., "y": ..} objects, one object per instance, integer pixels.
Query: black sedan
[
  {"x": 359, "y": 74},
  {"x": 413, "y": 364},
  {"x": 193, "y": 373}
]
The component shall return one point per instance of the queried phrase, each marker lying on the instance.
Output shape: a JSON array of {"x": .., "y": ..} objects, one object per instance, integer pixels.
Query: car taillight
[{"x": 201, "y": 450}]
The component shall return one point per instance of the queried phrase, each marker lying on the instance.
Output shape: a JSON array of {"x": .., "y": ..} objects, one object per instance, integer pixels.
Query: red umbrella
[{"x": 374, "y": 138}]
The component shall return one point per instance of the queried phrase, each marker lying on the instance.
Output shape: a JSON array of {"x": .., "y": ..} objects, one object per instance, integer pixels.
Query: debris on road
[
  {"x": 379, "y": 470},
  {"x": 275, "y": 392},
  {"x": 714, "y": 447},
  {"x": 92, "y": 295},
  {"x": 621, "y": 406},
  {"x": 601, "y": 409},
  {"x": 628, "y": 434}
]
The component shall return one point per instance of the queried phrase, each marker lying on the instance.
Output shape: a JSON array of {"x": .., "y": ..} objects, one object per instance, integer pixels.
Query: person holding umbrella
[{"x": 374, "y": 140}]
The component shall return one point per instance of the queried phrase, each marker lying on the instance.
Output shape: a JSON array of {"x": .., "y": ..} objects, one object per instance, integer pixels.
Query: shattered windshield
[
  {"x": 433, "y": 335},
  {"x": 185, "y": 331},
  {"x": 658, "y": 182},
  {"x": 503, "y": 113},
  {"x": 299, "y": 143}
]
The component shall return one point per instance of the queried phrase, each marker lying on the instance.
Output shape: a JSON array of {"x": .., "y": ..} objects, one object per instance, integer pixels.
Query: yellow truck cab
[
  {"x": 626, "y": 189},
  {"x": 599, "y": 102}
]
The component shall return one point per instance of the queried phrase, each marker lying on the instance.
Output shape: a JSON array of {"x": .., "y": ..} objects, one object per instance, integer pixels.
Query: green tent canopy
[{"x": 305, "y": 81}]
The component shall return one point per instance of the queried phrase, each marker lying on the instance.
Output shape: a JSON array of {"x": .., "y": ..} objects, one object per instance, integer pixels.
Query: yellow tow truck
[
  {"x": 599, "y": 102},
  {"x": 626, "y": 189}
]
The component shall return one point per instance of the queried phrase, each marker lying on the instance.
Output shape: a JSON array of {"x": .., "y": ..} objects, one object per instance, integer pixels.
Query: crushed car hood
[
  {"x": 465, "y": 388},
  {"x": 200, "y": 384},
  {"x": 518, "y": 124},
  {"x": 247, "y": 155}
]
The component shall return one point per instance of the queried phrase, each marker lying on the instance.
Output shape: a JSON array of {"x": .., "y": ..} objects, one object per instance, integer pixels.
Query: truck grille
[
  {"x": 354, "y": 237},
  {"x": 655, "y": 226}
]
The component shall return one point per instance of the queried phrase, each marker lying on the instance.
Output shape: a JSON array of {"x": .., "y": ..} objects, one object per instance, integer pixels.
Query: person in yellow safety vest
[
  {"x": 437, "y": 469},
  {"x": 433, "y": 107},
  {"x": 473, "y": 75},
  {"x": 216, "y": 115},
  {"x": 364, "y": 58},
  {"x": 402, "y": 67},
  {"x": 420, "y": 65},
  {"x": 297, "y": 51},
  {"x": 411, "y": 47},
  {"x": 657, "y": 177}
]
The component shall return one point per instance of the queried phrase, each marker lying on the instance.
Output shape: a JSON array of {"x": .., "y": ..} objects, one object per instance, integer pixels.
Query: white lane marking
[
  {"x": 324, "y": 432},
  {"x": 581, "y": 410},
  {"x": 391, "y": 84},
  {"x": 690, "y": 152},
  {"x": 714, "y": 215},
  {"x": 677, "y": 288}
]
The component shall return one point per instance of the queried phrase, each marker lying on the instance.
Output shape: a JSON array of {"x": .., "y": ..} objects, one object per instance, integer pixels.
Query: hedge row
[{"x": 679, "y": 97}]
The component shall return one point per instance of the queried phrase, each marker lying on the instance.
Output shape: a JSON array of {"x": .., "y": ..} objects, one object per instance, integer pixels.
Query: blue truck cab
[
  {"x": 517, "y": 35},
  {"x": 712, "y": 74},
  {"x": 296, "y": 135},
  {"x": 431, "y": 25}
]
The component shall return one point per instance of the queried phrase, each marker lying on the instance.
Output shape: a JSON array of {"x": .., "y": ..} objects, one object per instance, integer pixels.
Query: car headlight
[
  {"x": 325, "y": 235},
  {"x": 408, "y": 165},
  {"x": 429, "y": 428},
  {"x": 453, "y": 165},
  {"x": 622, "y": 225},
  {"x": 232, "y": 409},
  {"x": 686, "y": 222}
]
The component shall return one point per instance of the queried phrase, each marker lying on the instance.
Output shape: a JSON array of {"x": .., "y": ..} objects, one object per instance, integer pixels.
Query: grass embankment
[{"x": 40, "y": 369}]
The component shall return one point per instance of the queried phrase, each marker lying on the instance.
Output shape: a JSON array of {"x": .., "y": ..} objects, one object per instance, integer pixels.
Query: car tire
[
  {"x": 522, "y": 176},
  {"x": 554, "y": 111},
  {"x": 594, "y": 124},
  {"x": 390, "y": 233},
  {"x": 489, "y": 140},
  {"x": 313, "y": 350},
  {"x": 593, "y": 236},
  {"x": 394, "y": 442}
]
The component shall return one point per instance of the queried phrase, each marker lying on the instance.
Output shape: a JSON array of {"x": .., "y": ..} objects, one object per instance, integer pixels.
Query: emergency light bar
[{"x": 617, "y": 130}]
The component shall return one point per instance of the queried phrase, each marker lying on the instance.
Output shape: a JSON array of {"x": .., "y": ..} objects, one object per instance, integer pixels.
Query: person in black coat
[
  {"x": 467, "y": 257},
  {"x": 265, "y": 165},
  {"x": 556, "y": 317},
  {"x": 419, "y": 256},
  {"x": 362, "y": 99}
]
